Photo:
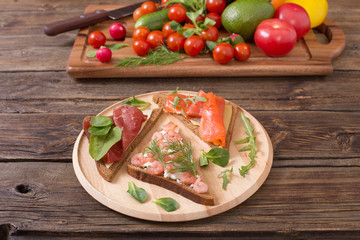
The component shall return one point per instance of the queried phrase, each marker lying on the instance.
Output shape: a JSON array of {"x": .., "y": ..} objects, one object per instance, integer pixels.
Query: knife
[{"x": 89, "y": 19}]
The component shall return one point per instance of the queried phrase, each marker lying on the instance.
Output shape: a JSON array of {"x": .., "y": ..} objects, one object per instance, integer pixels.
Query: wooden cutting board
[
  {"x": 114, "y": 195},
  {"x": 309, "y": 57}
]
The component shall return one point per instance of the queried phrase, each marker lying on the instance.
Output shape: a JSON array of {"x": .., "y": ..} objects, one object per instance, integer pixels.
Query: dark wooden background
[{"x": 313, "y": 190}]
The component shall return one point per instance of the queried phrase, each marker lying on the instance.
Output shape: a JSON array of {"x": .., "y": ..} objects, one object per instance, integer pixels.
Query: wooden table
[{"x": 312, "y": 192}]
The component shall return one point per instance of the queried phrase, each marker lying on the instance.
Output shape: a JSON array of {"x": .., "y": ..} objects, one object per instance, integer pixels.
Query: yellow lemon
[{"x": 317, "y": 10}]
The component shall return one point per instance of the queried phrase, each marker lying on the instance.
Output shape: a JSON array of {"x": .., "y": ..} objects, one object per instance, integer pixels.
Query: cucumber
[{"x": 154, "y": 21}]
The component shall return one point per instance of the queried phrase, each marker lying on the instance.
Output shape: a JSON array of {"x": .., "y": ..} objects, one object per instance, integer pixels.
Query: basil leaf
[
  {"x": 167, "y": 203},
  {"x": 99, "y": 130},
  {"x": 142, "y": 105},
  {"x": 174, "y": 25},
  {"x": 116, "y": 46},
  {"x": 219, "y": 156},
  {"x": 101, "y": 121},
  {"x": 193, "y": 15},
  {"x": 91, "y": 54},
  {"x": 209, "y": 21},
  {"x": 136, "y": 192},
  {"x": 211, "y": 45},
  {"x": 188, "y": 32},
  {"x": 100, "y": 144}
]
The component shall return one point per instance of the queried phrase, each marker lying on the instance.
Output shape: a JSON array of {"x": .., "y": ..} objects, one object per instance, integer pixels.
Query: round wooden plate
[{"x": 114, "y": 195}]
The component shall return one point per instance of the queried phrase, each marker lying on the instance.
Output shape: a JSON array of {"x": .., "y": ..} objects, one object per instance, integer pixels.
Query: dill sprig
[
  {"x": 184, "y": 158},
  {"x": 159, "y": 56},
  {"x": 158, "y": 152}
]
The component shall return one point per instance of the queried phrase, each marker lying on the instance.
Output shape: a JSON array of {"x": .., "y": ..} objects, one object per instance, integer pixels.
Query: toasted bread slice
[
  {"x": 160, "y": 100},
  {"x": 171, "y": 185},
  {"x": 108, "y": 173}
]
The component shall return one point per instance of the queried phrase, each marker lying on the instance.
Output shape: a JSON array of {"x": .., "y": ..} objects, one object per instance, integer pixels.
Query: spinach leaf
[
  {"x": 136, "y": 192},
  {"x": 101, "y": 121},
  {"x": 99, "y": 130},
  {"x": 167, "y": 203},
  {"x": 100, "y": 144},
  {"x": 142, "y": 105},
  {"x": 219, "y": 156}
]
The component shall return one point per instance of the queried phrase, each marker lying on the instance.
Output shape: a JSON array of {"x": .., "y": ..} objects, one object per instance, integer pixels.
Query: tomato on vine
[
  {"x": 140, "y": 33},
  {"x": 193, "y": 45},
  {"x": 141, "y": 47},
  {"x": 155, "y": 38},
  {"x": 167, "y": 30},
  {"x": 137, "y": 14},
  {"x": 175, "y": 42},
  {"x": 216, "y": 6},
  {"x": 177, "y": 13},
  {"x": 148, "y": 7},
  {"x": 242, "y": 51},
  {"x": 216, "y": 17},
  {"x": 223, "y": 53},
  {"x": 210, "y": 34},
  {"x": 97, "y": 39}
]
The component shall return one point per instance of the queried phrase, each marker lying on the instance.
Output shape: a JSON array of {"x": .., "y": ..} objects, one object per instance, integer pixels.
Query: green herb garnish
[
  {"x": 158, "y": 152},
  {"x": 167, "y": 203},
  {"x": 112, "y": 47},
  {"x": 177, "y": 99},
  {"x": 159, "y": 56},
  {"x": 225, "y": 178},
  {"x": 219, "y": 156},
  {"x": 251, "y": 139},
  {"x": 140, "y": 104},
  {"x": 100, "y": 144},
  {"x": 184, "y": 159},
  {"x": 211, "y": 45},
  {"x": 136, "y": 192}
]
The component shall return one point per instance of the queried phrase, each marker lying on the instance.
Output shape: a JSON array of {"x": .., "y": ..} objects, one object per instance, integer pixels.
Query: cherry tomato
[
  {"x": 223, "y": 53},
  {"x": 166, "y": 30},
  {"x": 103, "y": 54},
  {"x": 275, "y": 37},
  {"x": 187, "y": 26},
  {"x": 216, "y": 6},
  {"x": 177, "y": 13},
  {"x": 155, "y": 39},
  {"x": 148, "y": 7},
  {"x": 296, "y": 15},
  {"x": 117, "y": 31},
  {"x": 141, "y": 47},
  {"x": 175, "y": 42},
  {"x": 277, "y": 3},
  {"x": 137, "y": 14},
  {"x": 210, "y": 34},
  {"x": 193, "y": 45},
  {"x": 163, "y": 2},
  {"x": 96, "y": 39},
  {"x": 242, "y": 51},
  {"x": 200, "y": 18},
  {"x": 140, "y": 33},
  {"x": 216, "y": 17}
]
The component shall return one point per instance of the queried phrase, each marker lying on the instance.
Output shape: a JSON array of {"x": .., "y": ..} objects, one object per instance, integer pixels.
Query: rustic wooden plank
[
  {"x": 55, "y": 92},
  {"x": 47, "y": 197},
  {"x": 295, "y": 135}
]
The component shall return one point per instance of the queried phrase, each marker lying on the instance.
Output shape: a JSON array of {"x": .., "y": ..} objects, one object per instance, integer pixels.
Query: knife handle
[{"x": 84, "y": 20}]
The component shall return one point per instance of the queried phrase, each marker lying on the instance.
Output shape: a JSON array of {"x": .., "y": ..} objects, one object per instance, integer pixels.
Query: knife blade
[{"x": 89, "y": 19}]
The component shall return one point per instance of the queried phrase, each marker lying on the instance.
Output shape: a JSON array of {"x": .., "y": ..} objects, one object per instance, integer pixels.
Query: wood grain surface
[
  {"x": 312, "y": 191},
  {"x": 308, "y": 57}
]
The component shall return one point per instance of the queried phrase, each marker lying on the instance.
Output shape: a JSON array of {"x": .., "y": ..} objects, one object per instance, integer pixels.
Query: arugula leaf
[
  {"x": 101, "y": 121},
  {"x": 100, "y": 144},
  {"x": 167, "y": 203},
  {"x": 251, "y": 139},
  {"x": 225, "y": 178},
  {"x": 219, "y": 156},
  {"x": 136, "y": 192},
  {"x": 140, "y": 104}
]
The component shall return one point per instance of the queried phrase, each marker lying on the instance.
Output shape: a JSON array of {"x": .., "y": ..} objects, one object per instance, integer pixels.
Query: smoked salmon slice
[{"x": 212, "y": 128}]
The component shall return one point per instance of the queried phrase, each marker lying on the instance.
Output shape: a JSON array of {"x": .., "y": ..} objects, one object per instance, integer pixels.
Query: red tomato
[
  {"x": 141, "y": 47},
  {"x": 96, "y": 39},
  {"x": 200, "y": 18},
  {"x": 242, "y": 51},
  {"x": 275, "y": 37},
  {"x": 296, "y": 15},
  {"x": 216, "y": 17},
  {"x": 104, "y": 54},
  {"x": 166, "y": 30},
  {"x": 163, "y": 2},
  {"x": 210, "y": 34},
  {"x": 175, "y": 42},
  {"x": 155, "y": 38},
  {"x": 140, "y": 33},
  {"x": 187, "y": 26},
  {"x": 223, "y": 53},
  {"x": 216, "y": 6},
  {"x": 137, "y": 14},
  {"x": 177, "y": 13},
  {"x": 193, "y": 45},
  {"x": 148, "y": 7},
  {"x": 117, "y": 31}
]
